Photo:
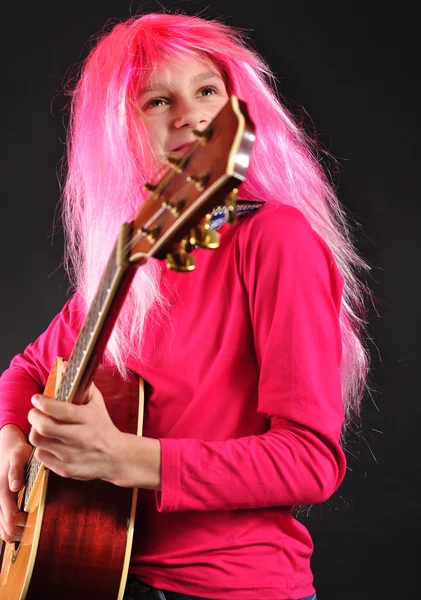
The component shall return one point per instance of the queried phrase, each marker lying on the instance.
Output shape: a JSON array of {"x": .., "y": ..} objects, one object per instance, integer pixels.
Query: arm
[
  {"x": 294, "y": 291},
  {"x": 74, "y": 441},
  {"x": 29, "y": 370},
  {"x": 26, "y": 375}
]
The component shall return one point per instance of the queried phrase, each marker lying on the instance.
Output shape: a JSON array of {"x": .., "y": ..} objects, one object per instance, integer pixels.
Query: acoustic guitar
[{"x": 77, "y": 540}]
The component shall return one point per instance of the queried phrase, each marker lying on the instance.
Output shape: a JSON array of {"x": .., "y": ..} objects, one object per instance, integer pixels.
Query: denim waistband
[{"x": 137, "y": 589}]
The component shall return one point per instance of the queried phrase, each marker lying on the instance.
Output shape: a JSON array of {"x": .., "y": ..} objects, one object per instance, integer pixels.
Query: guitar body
[{"x": 77, "y": 540}]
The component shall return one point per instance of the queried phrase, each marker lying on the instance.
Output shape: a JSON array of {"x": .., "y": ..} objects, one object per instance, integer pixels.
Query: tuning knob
[
  {"x": 174, "y": 207},
  {"x": 152, "y": 233},
  {"x": 203, "y": 136},
  {"x": 203, "y": 236},
  {"x": 178, "y": 164},
  {"x": 179, "y": 259},
  {"x": 199, "y": 180}
]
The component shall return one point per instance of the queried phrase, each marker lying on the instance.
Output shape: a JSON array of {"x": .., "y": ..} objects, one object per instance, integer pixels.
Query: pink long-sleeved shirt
[{"x": 245, "y": 396}]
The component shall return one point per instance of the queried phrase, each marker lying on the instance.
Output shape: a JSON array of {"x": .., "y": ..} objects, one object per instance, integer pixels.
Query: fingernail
[{"x": 35, "y": 399}]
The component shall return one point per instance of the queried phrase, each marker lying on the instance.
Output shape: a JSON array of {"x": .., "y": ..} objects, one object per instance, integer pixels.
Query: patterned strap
[{"x": 220, "y": 213}]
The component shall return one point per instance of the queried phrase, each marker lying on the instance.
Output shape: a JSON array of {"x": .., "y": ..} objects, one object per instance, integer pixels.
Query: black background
[{"x": 354, "y": 68}]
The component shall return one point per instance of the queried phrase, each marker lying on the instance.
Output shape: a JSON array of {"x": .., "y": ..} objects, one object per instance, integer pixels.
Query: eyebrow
[{"x": 201, "y": 77}]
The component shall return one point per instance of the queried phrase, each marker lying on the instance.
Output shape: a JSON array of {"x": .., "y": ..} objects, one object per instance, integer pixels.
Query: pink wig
[{"x": 106, "y": 170}]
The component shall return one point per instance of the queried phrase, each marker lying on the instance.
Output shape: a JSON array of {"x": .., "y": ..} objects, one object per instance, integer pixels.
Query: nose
[{"x": 189, "y": 114}]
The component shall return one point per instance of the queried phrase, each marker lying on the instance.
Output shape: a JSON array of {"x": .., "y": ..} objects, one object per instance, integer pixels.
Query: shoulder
[
  {"x": 270, "y": 210},
  {"x": 73, "y": 312},
  {"x": 278, "y": 227},
  {"x": 278, "y": 240}
]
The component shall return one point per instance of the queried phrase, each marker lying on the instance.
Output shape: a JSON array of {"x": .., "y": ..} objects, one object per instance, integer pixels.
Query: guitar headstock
[{"x": 176, "y": 215}]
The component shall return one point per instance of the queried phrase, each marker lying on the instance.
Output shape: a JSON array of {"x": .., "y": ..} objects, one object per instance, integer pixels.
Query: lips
[{"x": 183, "y": 147}]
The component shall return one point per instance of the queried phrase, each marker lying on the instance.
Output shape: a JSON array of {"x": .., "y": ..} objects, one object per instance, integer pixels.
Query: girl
[{"x": 254, "y": 363}]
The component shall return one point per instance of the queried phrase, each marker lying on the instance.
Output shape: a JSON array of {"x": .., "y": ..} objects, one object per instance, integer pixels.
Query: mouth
[{"x": 183, "y": 148}]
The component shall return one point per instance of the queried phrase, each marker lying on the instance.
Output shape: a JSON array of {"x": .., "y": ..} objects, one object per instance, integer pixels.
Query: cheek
[
  {"x": 147, "y": 146},
  {"x": 158, "y": 134},
  {"x": 154, "y": 131}
]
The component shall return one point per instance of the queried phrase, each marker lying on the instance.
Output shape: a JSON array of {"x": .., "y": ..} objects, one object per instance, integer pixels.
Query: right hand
[{"x": 15, "y": 452}]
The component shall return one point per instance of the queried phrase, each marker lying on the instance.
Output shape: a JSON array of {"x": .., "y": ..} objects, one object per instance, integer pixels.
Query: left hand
[{"x": 78, "y": 441}]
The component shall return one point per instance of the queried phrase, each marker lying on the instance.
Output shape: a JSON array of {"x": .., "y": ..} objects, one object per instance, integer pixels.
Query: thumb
[
  {"x": 93, "y": 394},
  {"x": 17, "y": 462}
]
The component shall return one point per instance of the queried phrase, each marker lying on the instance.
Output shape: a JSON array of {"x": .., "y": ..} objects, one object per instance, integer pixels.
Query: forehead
[{"x": 182, "y": 70}]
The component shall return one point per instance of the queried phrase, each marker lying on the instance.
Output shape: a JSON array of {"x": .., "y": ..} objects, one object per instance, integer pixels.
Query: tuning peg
[
  {"x": 199, "y": 180},
  {"x": 174, "y": 207},
  {"x": 203, "y": 236},
  {"x": 150, "y": 187},
  {"x": 231, "y": 205},
  {"x": 152, "y": 233},
  {"x": 178, "y": 164},
  {"x": 203, "y": 136},
  {"x": 179, "y": 259}
]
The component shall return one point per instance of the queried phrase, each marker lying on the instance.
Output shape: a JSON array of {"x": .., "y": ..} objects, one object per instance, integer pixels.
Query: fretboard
[{"x": 92, "y": 339}]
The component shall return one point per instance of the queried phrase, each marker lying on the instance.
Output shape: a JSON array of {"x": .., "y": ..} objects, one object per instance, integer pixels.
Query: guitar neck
[
  {"x": 99, "y": 322},
  {"x": 92, "y": 339}
]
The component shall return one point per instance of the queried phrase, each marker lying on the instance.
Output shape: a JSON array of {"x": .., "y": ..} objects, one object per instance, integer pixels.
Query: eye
[
  {"x": 208, "y": 90},
  {"x": 154, "y": 103}
]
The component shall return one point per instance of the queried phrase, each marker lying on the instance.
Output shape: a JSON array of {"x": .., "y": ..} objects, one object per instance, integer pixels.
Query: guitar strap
[{"x": 220, "y": 213}]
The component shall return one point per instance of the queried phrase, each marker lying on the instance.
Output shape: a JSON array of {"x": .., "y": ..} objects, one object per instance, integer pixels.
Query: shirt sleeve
[
  {"x": 28, "y": 371},
  {"x": 294, "y": 290}
]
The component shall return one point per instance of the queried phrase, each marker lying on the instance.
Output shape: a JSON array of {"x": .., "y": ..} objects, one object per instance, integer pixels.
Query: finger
[
  {"x": 94, "y": 394},
  {"x": 42, "y": 424},
  {"x": 11, "y": 534},
  {"x": 17, "y": 462},
  {"x": 5, "y": 536},
  {"x": 50, "y": 443},
  {"x": 48, "y": 459},
  {"x": 64, "y": 468},
  {"x": 50, "y": 433},
  {"x": 86, "y": 396},
  {"x": 61, "y": 411},
  {"x": 11, "y": 515},
  {"x": 15, "y": 482},
  {"x": 43, "y": 427}
]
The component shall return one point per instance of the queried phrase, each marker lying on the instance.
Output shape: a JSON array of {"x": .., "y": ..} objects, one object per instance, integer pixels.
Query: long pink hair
[{"x": 106, "y": 170}]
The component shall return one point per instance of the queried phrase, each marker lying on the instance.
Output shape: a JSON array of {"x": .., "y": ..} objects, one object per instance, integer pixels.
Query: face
[{"x": 183, "y": 95}]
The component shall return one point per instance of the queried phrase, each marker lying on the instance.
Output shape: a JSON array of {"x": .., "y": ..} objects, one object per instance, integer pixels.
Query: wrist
[
  {"x": 12, "y": 433},
  {"x": 138, "y": 462}
]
